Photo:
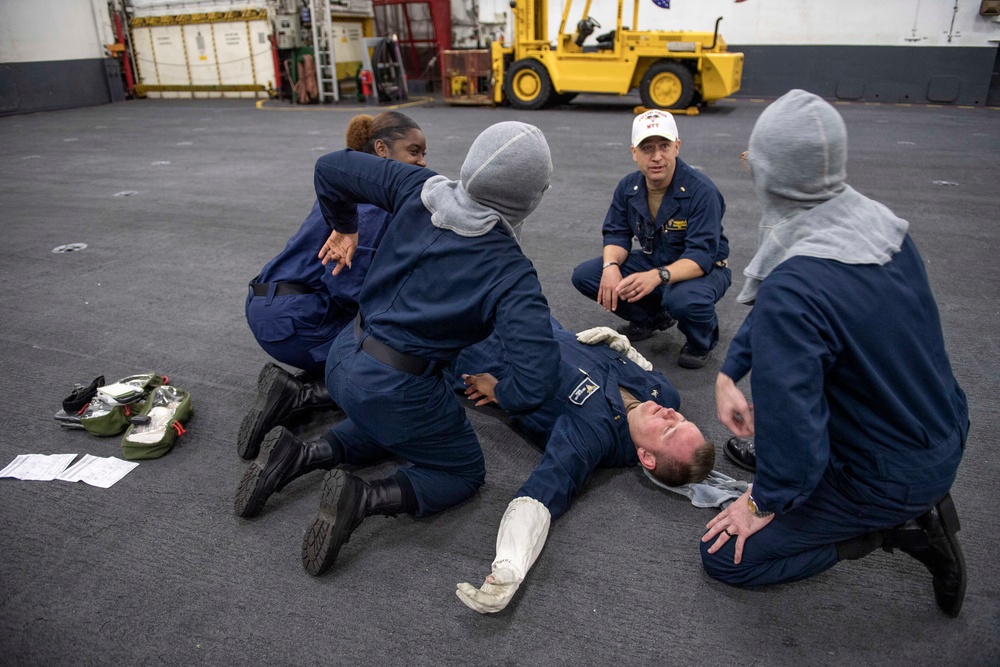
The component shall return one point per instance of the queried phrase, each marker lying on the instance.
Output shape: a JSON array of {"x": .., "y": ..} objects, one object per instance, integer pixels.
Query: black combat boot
[
  {"x": 859, "y": 547},
  {"x": 931, "y": 539},
  {"x": 282, "y": 458},
  {"x": 279, "y": 396},
  {"x": 346, "y": 501},
  {"x": 639, "y": 332},
  {"x": 741, "y": 451}
]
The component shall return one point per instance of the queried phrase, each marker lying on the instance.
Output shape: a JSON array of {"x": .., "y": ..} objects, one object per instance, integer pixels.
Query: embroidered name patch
[
  {"x": 583, "y": 391},
  {"x": 675, "y": 225}
]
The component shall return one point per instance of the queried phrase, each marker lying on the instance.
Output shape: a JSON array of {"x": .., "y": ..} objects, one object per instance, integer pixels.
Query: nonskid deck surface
[{"x": 180, "y": 203}]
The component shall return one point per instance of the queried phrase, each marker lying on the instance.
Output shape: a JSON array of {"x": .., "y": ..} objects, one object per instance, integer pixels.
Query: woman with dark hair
[{"x": 295, "y": 307}]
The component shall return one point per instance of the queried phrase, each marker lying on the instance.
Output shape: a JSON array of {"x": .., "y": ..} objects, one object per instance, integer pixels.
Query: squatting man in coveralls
[
  {"x": 680, "y": 271},
  {"x": 448, "y": 273},
  {"x": 610, "y": 410},
  {"x": 859, "y": 423}
]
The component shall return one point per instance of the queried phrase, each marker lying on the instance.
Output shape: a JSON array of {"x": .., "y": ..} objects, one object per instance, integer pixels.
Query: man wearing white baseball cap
[{"x": 680, "y": 270}]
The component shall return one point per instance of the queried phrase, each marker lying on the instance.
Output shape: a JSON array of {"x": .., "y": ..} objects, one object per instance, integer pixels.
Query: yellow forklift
[{"x": 671, "y": 69}]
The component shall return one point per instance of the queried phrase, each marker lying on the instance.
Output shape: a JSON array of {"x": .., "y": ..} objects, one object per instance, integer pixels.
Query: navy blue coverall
[
  {"x": 859, "y": 422},
  {"x": 688, "y": 225},
  {"x": 583, "y": 426},
  {"x": 429, "y": 294},
  {"x": 298, "y": 329}
]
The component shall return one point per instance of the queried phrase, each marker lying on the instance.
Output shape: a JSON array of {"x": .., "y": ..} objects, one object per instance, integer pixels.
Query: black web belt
[
  {"x": 407, "y": 363},
  {"x": 281, "y": 289}
]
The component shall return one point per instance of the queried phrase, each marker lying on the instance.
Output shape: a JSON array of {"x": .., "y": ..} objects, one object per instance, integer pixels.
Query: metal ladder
[{"x": 326, "y": 62}]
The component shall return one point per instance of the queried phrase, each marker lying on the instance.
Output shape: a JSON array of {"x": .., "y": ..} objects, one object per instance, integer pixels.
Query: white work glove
[
  {"x": 522, "y": 534},
  {"x": 616, "y": 342}
]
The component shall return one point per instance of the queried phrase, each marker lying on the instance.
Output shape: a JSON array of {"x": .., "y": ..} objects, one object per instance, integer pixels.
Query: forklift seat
[{"x": 607, "y": 40}]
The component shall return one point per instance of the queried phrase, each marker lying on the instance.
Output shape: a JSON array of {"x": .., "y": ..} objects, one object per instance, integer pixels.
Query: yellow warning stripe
[
  {"x": 347, "y": 69},
  {"x": 272, "y": 105},
  {"x": 142, "y": 88},
  {"x": 208, "y": 17}
]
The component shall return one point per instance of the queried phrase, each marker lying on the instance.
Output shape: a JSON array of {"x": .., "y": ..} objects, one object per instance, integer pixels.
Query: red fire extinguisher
[{"x": 367, "y": 83}]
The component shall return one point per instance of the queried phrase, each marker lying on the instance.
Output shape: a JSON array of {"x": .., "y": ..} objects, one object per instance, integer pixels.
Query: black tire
[
  {"x": 559, "y": 99},
  {"x": 667, "y": 85},
  {"x": 527, "y": 85}
]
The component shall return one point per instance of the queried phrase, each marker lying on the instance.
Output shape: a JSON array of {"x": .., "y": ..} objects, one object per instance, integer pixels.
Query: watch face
[{"x": 664, "y": 276}]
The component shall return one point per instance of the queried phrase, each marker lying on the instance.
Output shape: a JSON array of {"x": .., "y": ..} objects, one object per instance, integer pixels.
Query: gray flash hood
[
  {"x": 798, "y": 159},
  {"x": 502, "y": 180}
]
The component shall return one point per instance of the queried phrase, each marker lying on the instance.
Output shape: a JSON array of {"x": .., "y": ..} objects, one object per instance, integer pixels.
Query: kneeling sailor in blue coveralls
[
  {"x": 859, "y": 422},
  {"x": 295, "y": 307},
  {"x": 610, "y": 410},
  {"x": 448, "y": 273}
]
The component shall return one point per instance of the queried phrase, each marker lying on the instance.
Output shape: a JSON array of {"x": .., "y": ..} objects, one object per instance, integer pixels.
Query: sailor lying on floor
[{"x": 610, "y": 410}]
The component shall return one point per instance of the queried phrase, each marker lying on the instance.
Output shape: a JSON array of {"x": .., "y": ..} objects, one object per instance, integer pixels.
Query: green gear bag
[
  {"x": 111, "y": 407},
  {"x": 155, "y": 429}
]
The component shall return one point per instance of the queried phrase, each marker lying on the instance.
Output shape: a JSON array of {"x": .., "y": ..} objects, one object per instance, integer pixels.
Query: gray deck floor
[{"x": 157, "y": 569}]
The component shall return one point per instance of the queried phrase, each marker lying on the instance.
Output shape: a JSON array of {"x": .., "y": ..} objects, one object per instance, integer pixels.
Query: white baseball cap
[{"x": 653, "y": 123}]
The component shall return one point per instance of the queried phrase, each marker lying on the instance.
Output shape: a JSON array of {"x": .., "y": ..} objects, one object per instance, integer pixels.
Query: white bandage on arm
[{"x": 522, "y": 534}]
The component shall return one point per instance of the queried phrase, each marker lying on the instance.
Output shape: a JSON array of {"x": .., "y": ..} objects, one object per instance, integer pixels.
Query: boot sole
[
  {"x": 949, "y": 520},
  {"x": 321, "y": 543},
  {"x": 248, "y": 503},
  {"x": 252, "y": 429}
]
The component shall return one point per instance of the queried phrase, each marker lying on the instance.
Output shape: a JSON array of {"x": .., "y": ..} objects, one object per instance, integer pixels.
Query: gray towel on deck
[{"x": 718, "y": 490}]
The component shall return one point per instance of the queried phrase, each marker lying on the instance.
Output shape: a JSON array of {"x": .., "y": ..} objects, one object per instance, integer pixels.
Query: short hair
[
  {"x": 674, "y": 472},
  {"x": 389, "y": 126}
]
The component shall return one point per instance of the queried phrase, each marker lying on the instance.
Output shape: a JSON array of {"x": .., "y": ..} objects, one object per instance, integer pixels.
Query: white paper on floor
[
  {"x": 93, "y": 470},
  {"x": 37, "y": 467},
  {"x": 97, "y": 471}
]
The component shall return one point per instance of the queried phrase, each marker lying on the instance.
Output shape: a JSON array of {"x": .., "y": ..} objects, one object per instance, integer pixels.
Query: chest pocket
[
  {"x": 672, "y": 229},
  {"x": 675, "y": 232}
]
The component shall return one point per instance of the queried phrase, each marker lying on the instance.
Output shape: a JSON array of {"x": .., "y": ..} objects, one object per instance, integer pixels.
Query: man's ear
[
  {"x": 646, "y": 458},
  {"x": 634, "y": 158}
]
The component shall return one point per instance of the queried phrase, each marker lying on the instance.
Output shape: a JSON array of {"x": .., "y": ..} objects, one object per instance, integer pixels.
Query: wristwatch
[
  {"x": 664, "y": 275},
  {"x": 607, "y": 264},
  {"x": 756, "y": 511}
]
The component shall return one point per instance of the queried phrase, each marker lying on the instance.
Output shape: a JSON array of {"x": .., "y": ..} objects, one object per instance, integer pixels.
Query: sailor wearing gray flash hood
[
  {"x": 859, "y": 423},
  {"x": 448, "y": 273},
  {"x": 500, "y": 182}
]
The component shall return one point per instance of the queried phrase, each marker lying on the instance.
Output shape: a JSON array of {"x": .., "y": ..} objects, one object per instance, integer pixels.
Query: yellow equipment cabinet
[{"x": 671, "y": 69}]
